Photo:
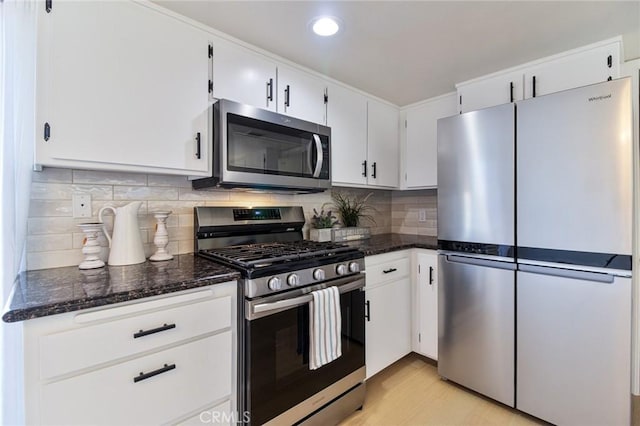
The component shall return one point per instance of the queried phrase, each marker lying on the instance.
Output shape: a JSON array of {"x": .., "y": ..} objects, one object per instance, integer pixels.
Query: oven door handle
[{"x": 258, "y": 310}]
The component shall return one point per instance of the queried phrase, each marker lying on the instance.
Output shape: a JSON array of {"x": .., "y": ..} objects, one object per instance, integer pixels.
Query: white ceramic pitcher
[{"x": 125, "y": 243}]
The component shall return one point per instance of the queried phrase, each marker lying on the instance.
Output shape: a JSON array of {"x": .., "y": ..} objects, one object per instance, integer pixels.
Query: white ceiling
[{"x": 407, "y": 51}]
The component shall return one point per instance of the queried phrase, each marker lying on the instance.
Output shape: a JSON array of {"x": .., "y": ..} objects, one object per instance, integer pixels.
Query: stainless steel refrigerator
[{"x": 534, "y": 229}]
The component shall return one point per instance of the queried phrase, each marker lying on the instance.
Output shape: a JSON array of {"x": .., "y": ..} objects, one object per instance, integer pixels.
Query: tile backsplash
[
  {"x": 405, "y": 212},
  {"x": 54, "y": 240}
]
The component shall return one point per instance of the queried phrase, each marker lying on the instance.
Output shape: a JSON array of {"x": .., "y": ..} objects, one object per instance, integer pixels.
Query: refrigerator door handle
[
  {"x": 481, "y": 262},
  {"x": 568, "y": 273}
]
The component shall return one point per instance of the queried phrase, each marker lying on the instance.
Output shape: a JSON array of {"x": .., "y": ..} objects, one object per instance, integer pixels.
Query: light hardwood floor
[{"x": 410, "y": 392}]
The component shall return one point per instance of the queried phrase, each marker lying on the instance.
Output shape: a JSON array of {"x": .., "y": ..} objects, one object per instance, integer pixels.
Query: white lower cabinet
[
  {"x": 425, "y": 303},
  {"x": 387, "y": 310},
  {"x": 171, "y": 359},
  {"x": 186, "y": 377}
]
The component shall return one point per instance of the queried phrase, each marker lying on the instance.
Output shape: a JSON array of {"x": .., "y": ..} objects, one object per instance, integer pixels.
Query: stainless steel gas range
[{"x": 279, "y": 272}]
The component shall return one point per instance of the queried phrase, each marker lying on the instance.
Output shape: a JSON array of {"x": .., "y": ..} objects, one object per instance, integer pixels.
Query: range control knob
[
  {"x": 293, "y": 280},
  {"x": 341, "y": 269},
  {"x": 318, "y": 274},
  {"x": 354, "y": 267},
  {"x": 274, "y": 283}
]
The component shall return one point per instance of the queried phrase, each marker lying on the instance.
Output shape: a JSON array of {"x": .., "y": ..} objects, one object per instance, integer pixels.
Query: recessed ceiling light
[{"x": 325, "y": 26}]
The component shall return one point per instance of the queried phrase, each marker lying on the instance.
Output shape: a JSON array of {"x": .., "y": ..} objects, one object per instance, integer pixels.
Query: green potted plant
[
  {"x": 352, "y": 210},
  {"x": 321, "y": 225}
]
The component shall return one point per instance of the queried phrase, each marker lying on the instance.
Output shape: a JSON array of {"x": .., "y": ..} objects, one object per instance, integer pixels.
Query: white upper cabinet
[
  {"x": 491, "y": 91},
  {"x": 347, "y": 117},
  {"x": 382, "y": 145},
  {"x": 243, "y": 76},
  {"x": 579, "y": 67},
  {"x": 421, "y": 153},
  {"x": 301, "y": 95},
  {"x": 565, "y": 72},
  {"x": 121, "y": 86}
]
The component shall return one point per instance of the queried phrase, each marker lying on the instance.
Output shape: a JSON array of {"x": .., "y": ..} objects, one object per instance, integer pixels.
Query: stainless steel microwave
[{"x": 255, "y": 148}]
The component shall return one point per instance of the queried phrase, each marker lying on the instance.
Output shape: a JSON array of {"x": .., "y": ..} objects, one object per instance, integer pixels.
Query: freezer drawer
[
  {"x": 476, "y": 325},
  {"x": 574, "y": 346}
]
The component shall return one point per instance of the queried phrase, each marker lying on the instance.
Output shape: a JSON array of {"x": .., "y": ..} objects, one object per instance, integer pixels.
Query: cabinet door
[
  {"x": 347, "y": 117},
  {"x": 243, "y": 76},
  {"x": 388, "y": 325},
  {"x": 421, "y": 165},
  {"x": 301, "y": 95},
  {"x": 574, "y": 70},
  {"x": 123, "y": 87},
  {"x": 491, "y": 91},
  {"x": 382, "y": 144},
  {"x": 426, "y": 306}
]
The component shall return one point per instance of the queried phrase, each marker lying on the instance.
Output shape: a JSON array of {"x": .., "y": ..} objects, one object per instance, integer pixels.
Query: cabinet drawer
[
  {"x": 72, "y": 350},
  {"x": 388, "y": 269},
  {"x": 109, "y": 396}
]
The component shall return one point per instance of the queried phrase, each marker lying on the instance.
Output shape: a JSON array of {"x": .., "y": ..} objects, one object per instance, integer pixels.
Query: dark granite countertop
[
  {"x": 58, "y": 290},
  {"x": 385, "y": 243}
]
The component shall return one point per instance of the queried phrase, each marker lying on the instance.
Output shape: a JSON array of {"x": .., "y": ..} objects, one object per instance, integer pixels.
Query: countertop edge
[{"x": 17, "y": 315}]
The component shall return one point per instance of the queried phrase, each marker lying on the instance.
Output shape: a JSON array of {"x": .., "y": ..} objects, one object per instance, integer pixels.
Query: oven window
[
  {"x": 278, "y": 357},
  {"x": 260, "y": 147}
]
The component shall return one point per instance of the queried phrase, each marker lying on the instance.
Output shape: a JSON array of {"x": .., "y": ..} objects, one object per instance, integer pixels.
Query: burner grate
[{"x": 258, "y": 255}]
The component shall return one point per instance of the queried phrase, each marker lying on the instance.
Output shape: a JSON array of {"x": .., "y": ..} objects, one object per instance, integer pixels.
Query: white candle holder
[
  {"x": 90, "y": 247},
  {"x": 161, "y": 239}
]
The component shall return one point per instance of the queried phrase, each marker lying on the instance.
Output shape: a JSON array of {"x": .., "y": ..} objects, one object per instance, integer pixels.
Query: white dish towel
[{"x": 325, "y": 327}]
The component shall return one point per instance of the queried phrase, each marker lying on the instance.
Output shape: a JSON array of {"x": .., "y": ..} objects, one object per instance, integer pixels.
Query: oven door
[{"x": 279, "y": 383}]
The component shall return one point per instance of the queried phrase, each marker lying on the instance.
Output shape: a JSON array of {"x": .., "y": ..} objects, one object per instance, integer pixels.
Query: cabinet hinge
[
  {"x": 610, "y": 61},
  {"x": 47, "y": 131},
  {"x": 210, "y": 86},
  {"x": 419, "y": 337},
  {"x": 210, "y": 51},
  {"x": 48, "y": 5}
]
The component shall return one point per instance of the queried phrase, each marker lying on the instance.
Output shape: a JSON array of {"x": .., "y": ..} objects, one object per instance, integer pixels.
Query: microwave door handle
[{"x": 319, "y": 157}]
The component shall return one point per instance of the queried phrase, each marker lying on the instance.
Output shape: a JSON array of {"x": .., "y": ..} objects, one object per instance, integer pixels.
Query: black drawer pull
[
  {"x": 430, "y": 275},
  {"x": 144, "y": 376},
  {"x": 143, "y": 333},
  {"x": 367, "y": 314},
  {"x": 390, "y": 270}
]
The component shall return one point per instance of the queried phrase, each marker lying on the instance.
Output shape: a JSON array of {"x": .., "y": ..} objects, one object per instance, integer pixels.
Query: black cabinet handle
[
  {"x": 47, "y": 131},
  {"x": 609, "y": 61},
  {"x": 534, "y": 86},
  {"x": 374, "y": 167},
  {"x": 430, "y": 275},
  {"x": 287, "y": 95},
  {"x": 143, "y": 333},
  {"x": 511, "y": 92},
  {"x": 367, "y": 311},
  {"x": 144, "y": 376},
  {"x": 364, "y": 168},
  {"x": 198, "y": 154},
  {"x": 270, "y": 90},
  {"x": 390, "y": 270}
]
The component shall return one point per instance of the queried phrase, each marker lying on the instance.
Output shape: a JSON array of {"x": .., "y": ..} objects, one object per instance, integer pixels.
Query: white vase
[
  {"x": 320, "y": 235},
  {"x": 161, "y": 239}
]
